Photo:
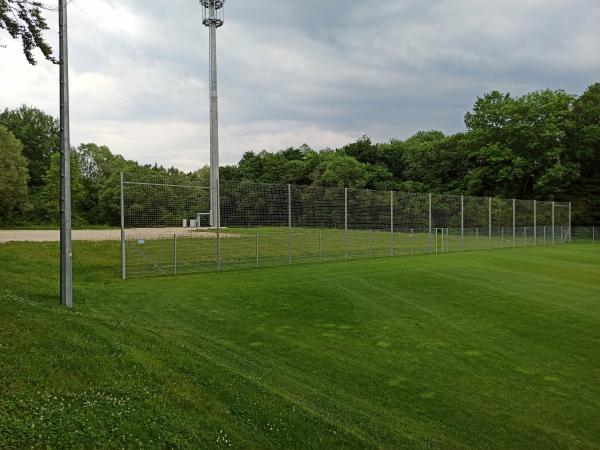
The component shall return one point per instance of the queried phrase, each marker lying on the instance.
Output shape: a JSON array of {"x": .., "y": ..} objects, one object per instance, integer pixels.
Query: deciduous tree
[
  {"x": 13, "y": 177},
  {"x": 40, "y": 135}
]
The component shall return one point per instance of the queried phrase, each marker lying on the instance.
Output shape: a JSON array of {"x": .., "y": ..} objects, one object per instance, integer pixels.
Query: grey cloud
[{"x": 311, "y": 71}]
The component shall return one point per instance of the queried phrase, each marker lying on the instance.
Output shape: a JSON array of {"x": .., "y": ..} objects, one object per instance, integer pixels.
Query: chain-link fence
[
  {"x": 590, "y": 235},
  {"x": 166, "y": 227}
]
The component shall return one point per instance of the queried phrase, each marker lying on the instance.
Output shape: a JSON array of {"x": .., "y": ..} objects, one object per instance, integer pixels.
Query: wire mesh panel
[
  {"x": 524, "y": 220},
  {"x": 562, "y": 223},
  {"x": 585, "y": 235},
  {"x": 502, "y": 223},
  {"x": 164, "y": 231},
  {"x": 477, "y": 223},
  {"x": 249, "y": 205},
  {"x": 316, "y": 223},
  {"x": 544, "y": 223},
  {"x": 248, "y": 209},
  {"x": 369, "y": 224},
  {"x": 166, "y": 226},
  {"x": 446, "y": 220},
  {"x": 411, "y": 223}
]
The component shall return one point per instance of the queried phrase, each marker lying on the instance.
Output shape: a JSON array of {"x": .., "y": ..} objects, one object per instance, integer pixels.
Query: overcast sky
[{"x": 321, "y": 72}]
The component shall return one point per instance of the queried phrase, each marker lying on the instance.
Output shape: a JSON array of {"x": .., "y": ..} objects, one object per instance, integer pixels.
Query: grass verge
[{"x": 482, "y": 349}]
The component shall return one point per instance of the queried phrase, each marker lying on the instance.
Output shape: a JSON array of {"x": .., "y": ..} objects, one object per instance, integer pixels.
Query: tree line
[{"x": 544, "y": 145}]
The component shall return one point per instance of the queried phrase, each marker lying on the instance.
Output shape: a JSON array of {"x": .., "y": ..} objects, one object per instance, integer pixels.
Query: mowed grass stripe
[{"x": 481, "y": 349}]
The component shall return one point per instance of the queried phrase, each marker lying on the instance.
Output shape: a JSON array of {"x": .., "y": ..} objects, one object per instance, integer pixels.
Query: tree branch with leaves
[{"x": 23, "y": 20}]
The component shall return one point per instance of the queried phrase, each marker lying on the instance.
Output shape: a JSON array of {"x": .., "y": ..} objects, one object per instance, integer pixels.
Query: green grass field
[{"x": 466, "y": 350}]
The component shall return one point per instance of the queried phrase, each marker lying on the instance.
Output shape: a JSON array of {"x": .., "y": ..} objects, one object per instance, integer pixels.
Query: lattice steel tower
[{"x": 213, "y": 18}]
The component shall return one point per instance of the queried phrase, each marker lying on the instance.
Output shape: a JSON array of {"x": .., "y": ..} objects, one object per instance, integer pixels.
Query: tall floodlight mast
[{"x": 213, "y": 18}]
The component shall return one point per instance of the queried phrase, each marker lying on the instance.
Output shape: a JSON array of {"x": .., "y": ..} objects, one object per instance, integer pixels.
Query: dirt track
[{"x": 96, "y": 235}]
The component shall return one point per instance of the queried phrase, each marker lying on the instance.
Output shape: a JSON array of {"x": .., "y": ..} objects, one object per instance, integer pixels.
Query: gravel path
[{"x": 97, "y": 235}]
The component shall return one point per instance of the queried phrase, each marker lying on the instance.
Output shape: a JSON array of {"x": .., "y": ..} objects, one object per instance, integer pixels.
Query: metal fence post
[
  {"x": 123, "y": 249},
  {"x": 490, "y": 223},
  {"x": 175, "y": 253},
  {"x": 346, "y": 223},
  {"x": 553, "y": 225},
  {"x": 593, "y": 235},
  {"x": 514, "y": 223},
  {"x": 447, "y": 240},
  {"x": 544, "y": 235},
  {"x": 561, "y": 235},
  {"x": 535, "y": 223},
  {"x": 257, "y": 260},
  {"x": 289, "y": 224},
  {"x": 218, "y": 216},
  {"x": 320, "y": 245},
  {"x": 462, "y": 223},
  {"x": 570, "y": 236},
  {"x": 430, "y": 225},
  {"x": 392, "y": 223},
  {"x": 445, "y": 244}
]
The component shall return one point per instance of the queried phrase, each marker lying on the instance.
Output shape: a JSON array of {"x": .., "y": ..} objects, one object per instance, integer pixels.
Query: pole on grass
[
  {"x": 570, "y": 237},
  {"x": 443, "y": 247},
  {"x": 218, "y": 223},
  {"x": 346, "y": 223},
  {"x": 553, "y": 225},
  {"x": 535, "y": 223},
  {"x": 514, "y": 223},
  {"x": 213, "y": 19},
  {"x": 430, "y": 225},
  {"x": 490, "y": 223},
  {"x": 561, "y": 235},
  {"x": 66, "y": 249},
  {"x": 392, "y": 223},
  {"x": 175, "y": 253},
  {"x": 462, "y": 222},
  {"x": 257, "y": 261},
  {"x": 123, "y": 249},
  {"x": 289, "y": 224},
  {"x": 320, "y": 245},
  {"x": 447, "y": 240}
]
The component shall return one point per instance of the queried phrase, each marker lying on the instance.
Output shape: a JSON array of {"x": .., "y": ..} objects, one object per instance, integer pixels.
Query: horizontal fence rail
[{"x": 166, "y": 227}]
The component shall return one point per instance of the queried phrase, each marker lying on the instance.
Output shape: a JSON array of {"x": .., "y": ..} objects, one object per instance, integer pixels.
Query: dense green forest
[{"x": 544, "y": 145}]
